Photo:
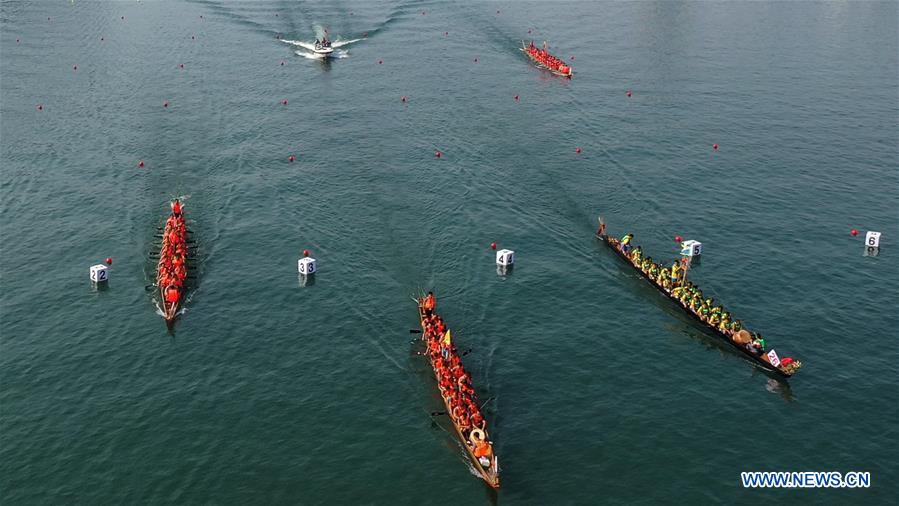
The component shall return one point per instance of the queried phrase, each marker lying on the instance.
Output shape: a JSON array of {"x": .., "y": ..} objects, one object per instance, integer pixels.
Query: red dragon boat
[
  {"x": 171, "y": 270},
  {"x": 544, "y": 60}
]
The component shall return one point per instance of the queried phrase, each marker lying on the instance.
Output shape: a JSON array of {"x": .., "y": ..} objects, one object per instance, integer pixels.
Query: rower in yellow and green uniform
[
  {"x": 626, "y": 242},
  {"x": 675, "y": 273}
]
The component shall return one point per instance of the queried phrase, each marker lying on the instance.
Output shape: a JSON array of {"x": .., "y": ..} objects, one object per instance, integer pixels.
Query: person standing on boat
[{"x": 430, "y": 303}]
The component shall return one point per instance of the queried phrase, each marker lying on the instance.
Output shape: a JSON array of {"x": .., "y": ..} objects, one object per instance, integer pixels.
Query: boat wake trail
[{"x": 309, "y": 48}]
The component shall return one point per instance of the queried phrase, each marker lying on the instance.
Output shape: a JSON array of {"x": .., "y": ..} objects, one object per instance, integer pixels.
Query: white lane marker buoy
[
  {"x": 306, "y": 265},
  {"x": 99, "y": 274}
]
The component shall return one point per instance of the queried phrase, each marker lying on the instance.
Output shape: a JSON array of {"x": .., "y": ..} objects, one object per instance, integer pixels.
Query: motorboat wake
[{"x": 322, "y": 48}]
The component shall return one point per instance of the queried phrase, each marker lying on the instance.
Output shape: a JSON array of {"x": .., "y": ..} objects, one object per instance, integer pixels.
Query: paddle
[
  {"x": 438, "y": 413},
  {"x": 415, "y": 331}
]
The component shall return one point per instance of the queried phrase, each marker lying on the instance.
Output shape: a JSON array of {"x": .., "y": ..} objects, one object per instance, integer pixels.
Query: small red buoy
[
  {"x": 577, "y": 150},
  {"x": 403, "y": 98},
  {"x": 108, "y": 260},
  {"x": 305, "y": 252},
  {"x": 629, "y": 93},
  {"x": 140, "y": 163},
  {"x": 284, "y": 102},
  {"x": 291, "y": 158},
  {"x": 854, "y": 232},
  {"x": 165, "y": 104},
  {"x": 516, "y": 98},
  {"x": 40, "y": 107},
  {"x": 678, "y": 239},
  {"x": 715, "y": 147},
  {"x": 437, "y": 153},
  {"x": 492, "y": 245}
]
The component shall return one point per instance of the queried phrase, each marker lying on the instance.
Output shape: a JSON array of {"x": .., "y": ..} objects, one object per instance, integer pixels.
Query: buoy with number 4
[{"x": 505, "y": 257}]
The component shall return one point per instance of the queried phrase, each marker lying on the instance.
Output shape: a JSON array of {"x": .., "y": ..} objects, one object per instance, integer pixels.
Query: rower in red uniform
[
  {"x": 430, "y": 302},
  {"x": 172, "y": 294},
  {"x": 176, "y": 207}
]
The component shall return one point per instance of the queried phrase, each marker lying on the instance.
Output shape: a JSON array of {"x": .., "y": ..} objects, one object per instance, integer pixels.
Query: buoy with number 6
[
  {"x": 853, "y": 232},
  {"x": 872, "y": 239}
]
